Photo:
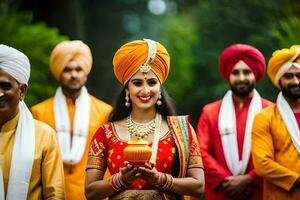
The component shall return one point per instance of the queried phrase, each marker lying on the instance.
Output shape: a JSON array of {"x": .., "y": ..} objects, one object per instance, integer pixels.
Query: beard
[
  {"x": 289, "y": 93},
  {"x": 244, "y": 91}
]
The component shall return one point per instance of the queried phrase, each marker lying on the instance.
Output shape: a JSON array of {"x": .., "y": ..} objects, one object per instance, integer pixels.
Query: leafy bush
[{"x": 36, "y": 40}]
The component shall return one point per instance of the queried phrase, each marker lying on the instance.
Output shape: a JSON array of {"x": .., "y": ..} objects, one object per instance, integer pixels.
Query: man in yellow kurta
[
  {"x": 30, "y": 162},
  {"x": 73, "y": 112},
  {"x": 275, "y": 133}
]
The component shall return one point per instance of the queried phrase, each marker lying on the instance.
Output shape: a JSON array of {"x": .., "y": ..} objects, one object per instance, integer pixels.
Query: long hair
[{"x": 120, "y": 111}]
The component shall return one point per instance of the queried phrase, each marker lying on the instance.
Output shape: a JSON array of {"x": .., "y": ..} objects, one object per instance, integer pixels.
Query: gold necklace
[{"x": 140, "y": 130}]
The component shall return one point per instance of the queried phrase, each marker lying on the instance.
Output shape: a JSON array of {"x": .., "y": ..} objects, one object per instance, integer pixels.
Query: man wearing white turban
[
  {"x": 30, "y": 162},
  {"x": 72, "y": 112}
]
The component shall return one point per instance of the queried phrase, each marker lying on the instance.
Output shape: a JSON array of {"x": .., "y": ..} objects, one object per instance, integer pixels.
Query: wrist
[
  {"x": 160, "y": 180},
  {"x": 118, "y": 183},
  {"x": 164, "y": 182}
]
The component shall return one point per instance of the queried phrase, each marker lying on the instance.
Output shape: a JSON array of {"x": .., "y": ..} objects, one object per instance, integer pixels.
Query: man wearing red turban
[{"x": 224, "y": 127}]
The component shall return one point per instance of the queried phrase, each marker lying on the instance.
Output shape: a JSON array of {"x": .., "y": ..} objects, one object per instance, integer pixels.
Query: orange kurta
[
  {"x": 275, "y": 157},
  {"x": 75, "y": 174},
  {"x": 46, "y": 180}
]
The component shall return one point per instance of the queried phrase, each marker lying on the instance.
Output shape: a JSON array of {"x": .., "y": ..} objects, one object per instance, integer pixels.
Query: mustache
[
  {"x": 294, "y": 86},
  {"x": 74, "y": 79},
  {"x": 243, "y": 82}
]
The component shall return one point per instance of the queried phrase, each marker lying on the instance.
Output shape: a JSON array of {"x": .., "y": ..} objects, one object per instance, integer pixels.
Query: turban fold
[
  {"x": 132, "y": 55},
  {"x": 66, "y": 51},
  {"x": 281, "y": 61},
  {"x": 248, "y": 54},
  {"x": 15, "y": 63}
]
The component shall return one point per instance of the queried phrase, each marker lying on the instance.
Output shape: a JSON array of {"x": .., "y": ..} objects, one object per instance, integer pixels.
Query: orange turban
[
  {"x": 281, "y": 61},
  {"x": 132, "y": 55},
  {"x": 66, "y": 51},
  {"x": 248, "y": 54}
]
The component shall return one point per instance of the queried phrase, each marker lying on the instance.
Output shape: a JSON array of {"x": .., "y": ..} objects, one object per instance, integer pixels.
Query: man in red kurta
[{"x": 224, "y": 127}]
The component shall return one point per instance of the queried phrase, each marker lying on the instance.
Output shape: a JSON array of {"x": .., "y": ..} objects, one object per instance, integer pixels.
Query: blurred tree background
[{"x": 194, "y": 32}]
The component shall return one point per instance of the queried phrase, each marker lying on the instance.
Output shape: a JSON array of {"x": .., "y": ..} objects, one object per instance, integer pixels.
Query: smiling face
[
  {"x": 290, "y": 83},
  {"x": 73, "y": 77},
  {"x": 10, "y": 95},
  {"x": 241, "y": 80},
  {"x": 143, "y": 90}
]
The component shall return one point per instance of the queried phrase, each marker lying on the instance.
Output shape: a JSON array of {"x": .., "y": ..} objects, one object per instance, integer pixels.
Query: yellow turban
[
  {"x": 132, "y": 55},
  {"x": 66, "y": 51},
  {"x": 281, "y": 61}
]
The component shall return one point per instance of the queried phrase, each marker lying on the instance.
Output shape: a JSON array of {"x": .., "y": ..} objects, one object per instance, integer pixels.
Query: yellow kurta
[
  {"x": 47, "y": 180},
  {"x": 75, "y": 174},
  {"x": 275, "y": 157}
]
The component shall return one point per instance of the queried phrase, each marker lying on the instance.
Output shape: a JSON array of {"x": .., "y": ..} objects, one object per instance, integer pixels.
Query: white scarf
[
  {"x": 72, "y": 153},
  {"x": 289, "y": 119},
  {"x": 228, "y": 132},
  {"x": 22, "y": 158}
]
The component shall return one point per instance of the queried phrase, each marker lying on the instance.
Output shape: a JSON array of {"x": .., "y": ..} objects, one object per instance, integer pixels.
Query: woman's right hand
[{"x": 129, "y": 173}]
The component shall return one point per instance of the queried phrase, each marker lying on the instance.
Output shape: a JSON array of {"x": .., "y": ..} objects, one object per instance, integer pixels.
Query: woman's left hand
[{"x": 149, "y": 173}]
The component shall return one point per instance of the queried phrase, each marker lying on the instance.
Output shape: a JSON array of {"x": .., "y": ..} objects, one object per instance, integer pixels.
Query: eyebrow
[
  {"x": 141, "y": 79},
  {"x": 290, "y": 73}
]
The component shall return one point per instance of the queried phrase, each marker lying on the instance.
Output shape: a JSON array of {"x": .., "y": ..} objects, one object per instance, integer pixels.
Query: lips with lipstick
[{"x": 145, "y": 99}]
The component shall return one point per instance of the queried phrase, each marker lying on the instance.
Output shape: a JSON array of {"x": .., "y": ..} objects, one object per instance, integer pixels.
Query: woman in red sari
[{"x": 144, "y": 111}]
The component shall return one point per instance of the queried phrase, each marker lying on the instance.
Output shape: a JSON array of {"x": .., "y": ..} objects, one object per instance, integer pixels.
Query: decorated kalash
[{"x": 150, "y": 152}]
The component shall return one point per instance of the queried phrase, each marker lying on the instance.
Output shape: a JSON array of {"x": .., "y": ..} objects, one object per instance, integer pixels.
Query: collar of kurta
[{"x": 11, "y": 124}]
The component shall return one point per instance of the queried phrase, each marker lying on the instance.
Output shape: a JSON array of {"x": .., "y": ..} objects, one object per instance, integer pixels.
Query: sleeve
[
  {"x": 195, "y": 160},
  {"x": 34, "y": 112},
  {"x": 214, "y": 172},
  {"x": 263, "y": 156},
  {"x": 98, "y": 151},
  {"x": 52, "y": 170}
]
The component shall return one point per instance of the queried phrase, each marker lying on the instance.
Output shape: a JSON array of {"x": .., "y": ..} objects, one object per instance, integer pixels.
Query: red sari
[
  {"x": 177, "y": 151},
  {"x": 215, "y": 166}
]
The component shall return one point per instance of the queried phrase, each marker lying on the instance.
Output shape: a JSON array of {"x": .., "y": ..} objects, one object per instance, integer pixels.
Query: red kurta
[{"x": 214, "y": 162}]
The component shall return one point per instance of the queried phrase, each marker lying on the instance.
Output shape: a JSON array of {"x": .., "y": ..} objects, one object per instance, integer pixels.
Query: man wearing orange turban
[
  {"x": 72, "y": 112},
  {"x": 275, "y": 133},
  {"x": 224, "y": 127}
]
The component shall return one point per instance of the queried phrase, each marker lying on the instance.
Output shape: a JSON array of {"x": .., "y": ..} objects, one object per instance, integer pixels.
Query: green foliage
[
  {"x": 287, "y": 34},
  {"x": 180, "y": 43},
  {"x": 36, "y": 41}
]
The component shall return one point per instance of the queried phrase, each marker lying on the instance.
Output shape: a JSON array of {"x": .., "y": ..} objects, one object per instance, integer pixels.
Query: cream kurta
[
  {"x": 75, "y": 174},
  {"x": 275, "y": 157},
  {"x": 47, "y": 180}
]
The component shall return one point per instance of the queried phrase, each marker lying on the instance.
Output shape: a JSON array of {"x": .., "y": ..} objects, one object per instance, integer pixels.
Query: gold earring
[{"x": 127, "y": 103}]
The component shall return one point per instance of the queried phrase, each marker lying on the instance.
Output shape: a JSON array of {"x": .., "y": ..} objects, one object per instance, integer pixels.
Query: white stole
[
  {"x": 289, "y": 119},
  {"x": 22, "y": 158},
  {"x": 72, "y": 153},
  {"x": 228, "y": 132}
]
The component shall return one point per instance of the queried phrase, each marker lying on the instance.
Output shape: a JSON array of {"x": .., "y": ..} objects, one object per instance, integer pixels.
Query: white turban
[{"x": 15, "y": 63}]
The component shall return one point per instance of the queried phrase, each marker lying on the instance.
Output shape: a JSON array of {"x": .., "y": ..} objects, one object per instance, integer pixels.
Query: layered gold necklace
[{"x": 140, "y": 130}]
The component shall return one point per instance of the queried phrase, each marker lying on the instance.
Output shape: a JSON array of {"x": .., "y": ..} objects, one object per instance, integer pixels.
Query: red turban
[{"x": 248, "y": 54}]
